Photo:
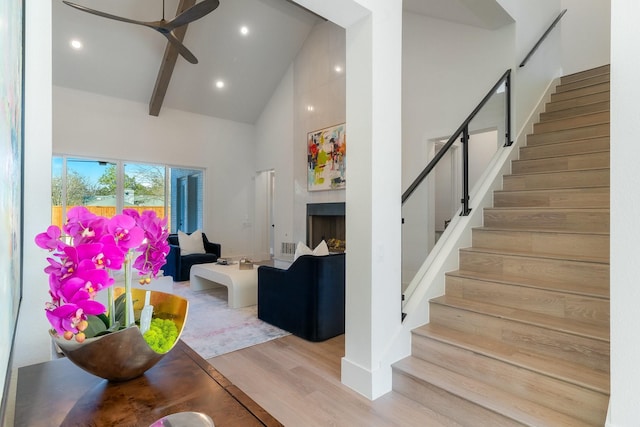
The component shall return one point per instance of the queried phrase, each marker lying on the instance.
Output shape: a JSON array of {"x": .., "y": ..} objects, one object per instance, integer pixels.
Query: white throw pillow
[
  {"x": 191, "y": 243},
  {"x": 302, "y": 249}
]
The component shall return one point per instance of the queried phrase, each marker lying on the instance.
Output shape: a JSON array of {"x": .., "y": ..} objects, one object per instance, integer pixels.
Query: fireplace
[{"x": 326, "y": 221}]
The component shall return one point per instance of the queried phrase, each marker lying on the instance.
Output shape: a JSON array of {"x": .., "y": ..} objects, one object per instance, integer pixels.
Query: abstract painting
[
  {"x": 11, "y": 113},
  {"x": 327, "y": 159}
]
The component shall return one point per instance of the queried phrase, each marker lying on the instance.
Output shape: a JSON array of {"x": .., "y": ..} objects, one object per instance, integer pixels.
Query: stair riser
[
  {"x": 604, "y": 69},
  {"x": 558, "y": 304},
  {"x": 564, "y": 163},
  {"x": 556, "y": 394},
  {"x": 572, "y": 122},
  {"x": 551, "y": 243},
  {"x": 589, "y": 90},
  {"x": 568, "y": 179},
  {"x": 550, "y": 219},
  {"x": 590, "y": 353},
  {"x": 550, "y": 270},
  {"x": 571, "y": 198},
  {"x": 577, "y": 102},
  {"x": 575, "y": 111},
  {"x": 588, "y": 81},
  {"x": 450, "y": 405},
  {"x": 569, "y": 134},
  {"x": 565, "y": 148}
]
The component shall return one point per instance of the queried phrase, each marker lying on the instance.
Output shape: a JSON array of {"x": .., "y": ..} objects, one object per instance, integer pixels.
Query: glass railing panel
[
  {"x": 429, "y": 210},
  {"x": 434, "y": 199},
  {"x": 486, "y": 136}
]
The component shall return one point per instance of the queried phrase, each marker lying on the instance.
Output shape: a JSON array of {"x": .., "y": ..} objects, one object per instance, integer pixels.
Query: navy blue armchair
[
  {"x": 307, "y": 299},
  {"x": 178, "y": 266}
]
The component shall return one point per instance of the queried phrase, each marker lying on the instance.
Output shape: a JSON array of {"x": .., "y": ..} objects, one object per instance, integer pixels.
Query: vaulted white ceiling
[{"x": 122, "y": 60}]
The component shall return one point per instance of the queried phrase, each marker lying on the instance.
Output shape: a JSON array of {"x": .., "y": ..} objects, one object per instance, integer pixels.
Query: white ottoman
[{"x": 242, "y": 285}]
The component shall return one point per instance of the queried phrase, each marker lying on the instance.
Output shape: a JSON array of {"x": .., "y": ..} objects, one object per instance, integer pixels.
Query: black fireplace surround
[{"x": 326, "y": 221}]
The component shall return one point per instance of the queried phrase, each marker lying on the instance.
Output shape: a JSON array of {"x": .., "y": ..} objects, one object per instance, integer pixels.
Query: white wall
[
  {"x": 33, "y": 344},
  {"x": 92, "y": 125},
  {"x": 281, "y": 130},
  {"x": 316, "y": 84},
  {"x": 532, "y": 20},
  {"x": 274, "y": 150},
  {"x": 625, "y": 211},
  {"x": 586, "y": 34},
  {"x": 442, "y": 82}
]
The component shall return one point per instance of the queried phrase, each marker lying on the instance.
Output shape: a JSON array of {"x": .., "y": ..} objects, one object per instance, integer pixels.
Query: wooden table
[{"x": 58, "y": 393}]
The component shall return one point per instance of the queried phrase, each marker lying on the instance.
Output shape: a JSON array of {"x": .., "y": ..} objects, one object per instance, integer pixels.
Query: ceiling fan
[{"x": 163, "y": 26}]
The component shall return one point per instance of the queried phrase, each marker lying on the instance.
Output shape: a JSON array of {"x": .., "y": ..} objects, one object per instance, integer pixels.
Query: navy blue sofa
[
  {"x": 178, "y": 266},
  {"x": 307, "y": 299}
]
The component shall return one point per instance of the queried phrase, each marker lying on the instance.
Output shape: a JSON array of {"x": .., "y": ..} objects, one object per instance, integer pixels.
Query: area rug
[{"x": 213, "y": 328}]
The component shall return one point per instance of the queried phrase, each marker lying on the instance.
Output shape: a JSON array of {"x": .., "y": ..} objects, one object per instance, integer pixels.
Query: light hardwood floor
[{"x": 298, "y": 382}]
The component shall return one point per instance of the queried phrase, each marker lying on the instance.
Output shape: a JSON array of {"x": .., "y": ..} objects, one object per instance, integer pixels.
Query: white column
[
  {"x": 374, "y": 45},
  {"x": 625, "y": 212}
]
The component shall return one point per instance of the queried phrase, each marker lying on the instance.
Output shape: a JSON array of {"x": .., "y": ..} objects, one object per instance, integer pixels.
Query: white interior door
[{"x": 263, "y": 230}]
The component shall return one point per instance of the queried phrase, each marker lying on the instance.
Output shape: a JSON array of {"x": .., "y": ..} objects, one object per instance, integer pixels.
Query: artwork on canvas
[
  {"x": 327, "y": 159},
  {"x": 11, "y": 60}
]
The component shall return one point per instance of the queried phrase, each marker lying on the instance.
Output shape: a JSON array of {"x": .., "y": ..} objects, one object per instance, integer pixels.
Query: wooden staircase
[{"x": 521, "y": 336}]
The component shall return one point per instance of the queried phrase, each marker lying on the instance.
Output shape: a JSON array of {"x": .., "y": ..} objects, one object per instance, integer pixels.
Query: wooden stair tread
[
  {"x": 585, "y": 74},
  {"x": 595, "y": 116},
  {"x": 585, "y": 153},
  {"x": 552, "y": 132},
  {"x": 596, "y": 159},
  {"x": 602, "y": 130},
  {"x": 542, "y": 144},
  {"x": 553, "y": 156},
  {"x": 568, "y": 288},
  {"x": 488, "y": 397},
  {"x": 584, "y": 82},
  {"x": 546, "y": 209},
  {"x": 557, "y": 171},
  {"x": 580, "y": 91},
  {"x": 553, "y": 190},
  {"x": 576, "y": 111},
  {"x": 542, "y": 231},
  {"x": 569, "y": 326},
  {"x": 545, "y": 365},
  {"x": 539, "y": 255},
  {"x": 588, "y": 99}
]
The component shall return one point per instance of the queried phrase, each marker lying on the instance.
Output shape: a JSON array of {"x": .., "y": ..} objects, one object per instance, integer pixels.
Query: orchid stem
[
  {"x": 128, "y": 310},
  {"x": 112, "y": 306}
]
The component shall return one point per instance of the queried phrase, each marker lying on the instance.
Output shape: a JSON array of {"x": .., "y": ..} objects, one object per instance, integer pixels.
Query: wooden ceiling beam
[{"x": 168, "y": 64}]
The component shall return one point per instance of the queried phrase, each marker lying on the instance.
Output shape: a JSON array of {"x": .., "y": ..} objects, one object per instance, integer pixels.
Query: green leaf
[
  {"x": 105, "y": 319},
  {"x": 120, "y": 305},
  {"x": 96, "y": 326}
]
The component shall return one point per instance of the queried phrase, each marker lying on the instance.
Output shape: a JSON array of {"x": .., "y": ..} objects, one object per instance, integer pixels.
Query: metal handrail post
[
  {"x": 465, "y": 172},
  {"x": 507, "y": 84}
]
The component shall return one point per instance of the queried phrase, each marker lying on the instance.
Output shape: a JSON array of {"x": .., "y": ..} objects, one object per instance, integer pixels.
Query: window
[
  {"x": 187, "y": 190},
  {"x": 106, "y": 187}
]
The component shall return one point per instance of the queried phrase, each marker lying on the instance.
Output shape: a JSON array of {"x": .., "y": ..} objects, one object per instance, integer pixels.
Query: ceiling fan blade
[
  {"x": 154, "y": 25},
  {"x": 182, "y": 49},
  {"x": 196, "y": 11}
]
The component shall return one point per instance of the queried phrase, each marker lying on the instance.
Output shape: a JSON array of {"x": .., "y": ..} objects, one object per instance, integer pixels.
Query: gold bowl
[{"x": 124, "y": 355}]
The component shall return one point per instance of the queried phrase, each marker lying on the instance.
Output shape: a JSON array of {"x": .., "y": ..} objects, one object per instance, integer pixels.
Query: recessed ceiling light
[
  {"x": 338, "y": 68},
  {"x": 310, "y": 108},
  {"x": 76, "y": 44},
  {"x": 244, "y": 30},
  {"x": 219, "y": 84}
]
